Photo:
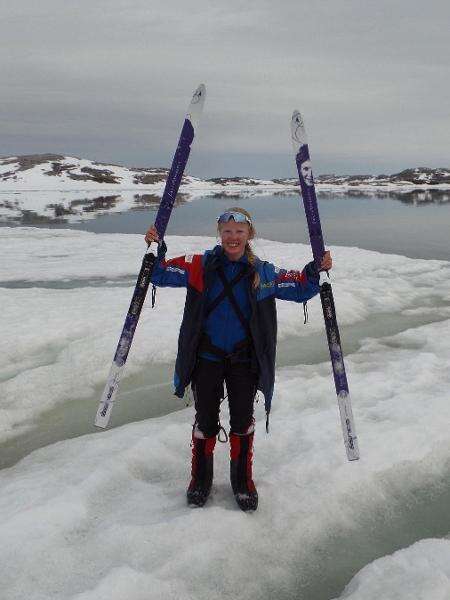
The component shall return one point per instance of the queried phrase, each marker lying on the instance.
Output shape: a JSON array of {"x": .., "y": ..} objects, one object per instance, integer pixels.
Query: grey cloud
[{"x": 111, "y": 80}]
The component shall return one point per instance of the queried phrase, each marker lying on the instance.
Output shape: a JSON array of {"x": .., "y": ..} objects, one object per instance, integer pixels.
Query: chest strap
[
  {"x": 224, "y": 293},
  {"x": 227, "y": 292}
]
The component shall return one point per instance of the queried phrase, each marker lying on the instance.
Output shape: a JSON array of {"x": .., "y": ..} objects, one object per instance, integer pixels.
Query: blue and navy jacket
[{"x": 198, "y": 273}]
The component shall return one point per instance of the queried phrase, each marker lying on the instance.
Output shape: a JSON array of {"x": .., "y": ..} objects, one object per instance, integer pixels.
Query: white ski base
[
  {"x": 106, "y": 403},
  {"x": 195, "y": 108},
  {"x": 348, "y": 426}
]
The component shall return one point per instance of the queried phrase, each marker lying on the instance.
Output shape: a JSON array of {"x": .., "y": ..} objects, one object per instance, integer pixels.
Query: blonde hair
[{"x": 251, "y": 256}]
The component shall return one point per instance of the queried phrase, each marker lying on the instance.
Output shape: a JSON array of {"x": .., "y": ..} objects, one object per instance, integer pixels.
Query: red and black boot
[
  {"x": 241, "y": 455},
  {"x": 202, "y": 468}
]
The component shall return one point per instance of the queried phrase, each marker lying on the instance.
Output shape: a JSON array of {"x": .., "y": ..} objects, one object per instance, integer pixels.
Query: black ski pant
[{"x": 208, "y": 386}]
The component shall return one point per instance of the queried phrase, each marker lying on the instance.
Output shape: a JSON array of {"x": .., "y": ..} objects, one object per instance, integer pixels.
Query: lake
[{"x": 391, "y": 223}]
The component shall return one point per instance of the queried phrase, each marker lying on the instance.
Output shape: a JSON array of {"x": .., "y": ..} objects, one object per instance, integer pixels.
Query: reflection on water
[
  {"x": 412, "y": 223},
  {"x": 62, "y": 208},
  {"x": 415, "y": 197}
]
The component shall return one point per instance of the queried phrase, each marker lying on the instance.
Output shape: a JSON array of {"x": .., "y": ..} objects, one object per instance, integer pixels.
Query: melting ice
[{"x": 104, "y": 516}]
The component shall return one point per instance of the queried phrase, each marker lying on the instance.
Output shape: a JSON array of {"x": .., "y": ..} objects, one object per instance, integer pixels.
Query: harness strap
[
  {"x": 241, "y": 351},
  {"x": 225, "y": 292},
  {"x": 228, "y": 290}
]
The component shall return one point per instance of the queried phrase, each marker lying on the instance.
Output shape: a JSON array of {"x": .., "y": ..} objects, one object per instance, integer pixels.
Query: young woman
[{"x": 228, "y": 335}]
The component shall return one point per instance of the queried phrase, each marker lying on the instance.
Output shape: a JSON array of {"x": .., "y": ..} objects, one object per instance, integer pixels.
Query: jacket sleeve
[
  {"x": 176, "y": 272},
  {"x": 297, "y": 286}
]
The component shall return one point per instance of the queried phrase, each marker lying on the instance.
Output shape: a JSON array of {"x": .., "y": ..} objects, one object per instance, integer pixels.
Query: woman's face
[{"x": 234, "y": 236}]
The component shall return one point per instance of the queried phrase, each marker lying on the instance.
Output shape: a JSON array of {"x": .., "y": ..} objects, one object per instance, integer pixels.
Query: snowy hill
[
  {"x": 419, "y": 176},
  {"x": 54, "y": 171},
  {"x": 57, "y": 172}
]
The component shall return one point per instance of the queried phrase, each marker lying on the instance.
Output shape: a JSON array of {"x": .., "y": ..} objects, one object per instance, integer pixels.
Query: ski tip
[
  {"x": 196, "y": 105},
  {"x": 103, "y": 415},
  {"x": 101, "y": 423},
  {"x": 353, "y": 454},
  {"x": 201, "y": 89},
  {"x": 351, "y": 447},
  {"x": 298, "y": 133}
]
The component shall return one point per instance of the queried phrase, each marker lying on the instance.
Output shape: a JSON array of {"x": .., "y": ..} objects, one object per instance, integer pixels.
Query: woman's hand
[
  {"x": 152, "y": 235},
  {"x": 327, "y": 261}
]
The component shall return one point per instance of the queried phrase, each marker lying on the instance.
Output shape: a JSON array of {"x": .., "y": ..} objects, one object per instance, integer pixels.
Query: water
[
  {"x": 406, "y": 514},
  {"x": 385, "y": 224}
]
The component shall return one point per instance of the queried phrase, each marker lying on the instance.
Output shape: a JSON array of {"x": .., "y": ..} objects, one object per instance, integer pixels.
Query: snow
[
  {"x": 37, "y": 179},
  {"x": 104, "y": 515}
]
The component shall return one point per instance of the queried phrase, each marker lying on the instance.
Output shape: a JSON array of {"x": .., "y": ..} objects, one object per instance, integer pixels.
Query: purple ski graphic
[
  {"x": 162, "y": 219},
  {"x": 306, "y": 178}
]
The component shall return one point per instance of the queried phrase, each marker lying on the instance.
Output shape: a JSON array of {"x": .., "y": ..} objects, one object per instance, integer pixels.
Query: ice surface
[
  {"x": 104, "y": 515},
  {"x": 62, "y": 318}
]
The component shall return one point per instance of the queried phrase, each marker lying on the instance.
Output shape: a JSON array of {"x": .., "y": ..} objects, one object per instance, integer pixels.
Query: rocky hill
[
  {"x": 57, "y": 172},
  {"x": 418, "y": 177}
]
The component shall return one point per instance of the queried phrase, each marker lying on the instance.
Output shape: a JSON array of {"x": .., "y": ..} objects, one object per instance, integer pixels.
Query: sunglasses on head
[{"x": 236, "y": 216}]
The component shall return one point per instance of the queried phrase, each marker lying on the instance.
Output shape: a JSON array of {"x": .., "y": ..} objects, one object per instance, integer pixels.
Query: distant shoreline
[
  {"x": 40, "y": 189},
  {"x": 53, "y": 172}
]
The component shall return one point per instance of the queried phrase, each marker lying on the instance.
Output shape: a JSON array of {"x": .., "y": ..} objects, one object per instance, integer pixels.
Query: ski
[
  {"x": 302, "y": 159},
  {"x": 162, "y": 218}
]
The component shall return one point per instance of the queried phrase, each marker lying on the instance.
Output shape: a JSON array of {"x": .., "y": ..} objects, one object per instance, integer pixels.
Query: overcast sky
[{"x": 111, "y": 80}]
